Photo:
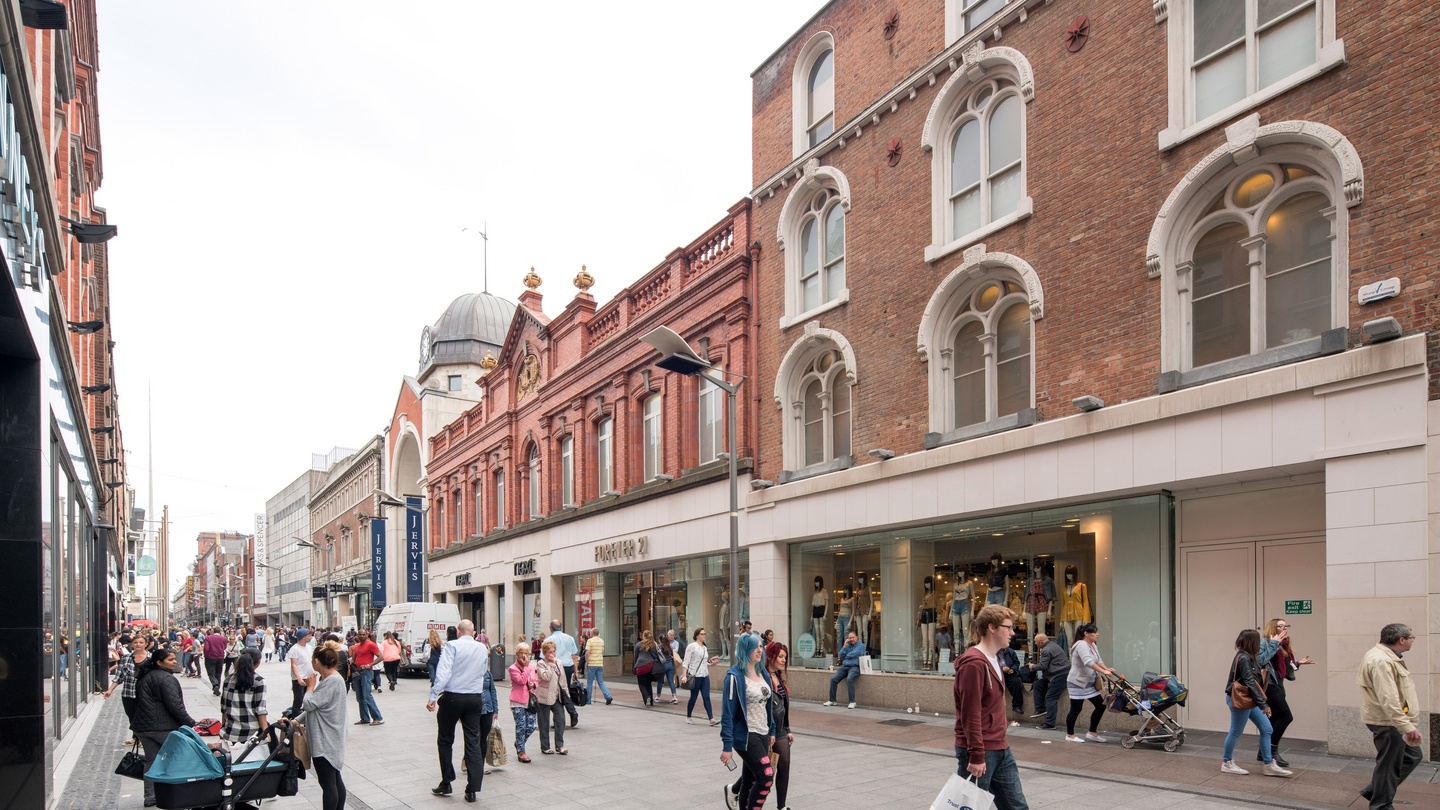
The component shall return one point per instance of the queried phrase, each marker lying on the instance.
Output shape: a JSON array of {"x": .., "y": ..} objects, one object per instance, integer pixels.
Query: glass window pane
[
  {"x": 839, "y": 394},
  {"x": 809, "y": 247},
  {"x": 1004, "y": 134},
  {"x": 969, "y": 354},
  {"x": 981, "y": 11},
  {"x": 1013, "y": 333},
  {"x": 810, "y": 293},
  {"x": 965, "y": 211},
  {"x": 1287, "y": 48},
  {"x": 822, "y": 130},
  {"x": 1004, "y": 193},
  {"x": 822, "y": 87},
  {"x": 1221, "y": 325},
  {"x": 1217, "y": 24},
  {"x": 1269, "y": 10},
  {"x": 1220, "y": 261},
  {"x": 834, "y": 281},
  {"x": 1219, "y": 83},
  {"x": 965, "y": 157},
  {"x": 841, "y": 439},
  {"x": 969, "y": 376},
  {"x": 1297, "y": 266},
  {"x": 1012, "y": 386},
  {"x": 1255, "y": 188},
  {"x": 834, "y": 233},
  {"x": 814, "y": 419}
]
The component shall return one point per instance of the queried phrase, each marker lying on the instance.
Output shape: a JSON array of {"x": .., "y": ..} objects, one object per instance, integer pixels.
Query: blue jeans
[
  {"x": 366, "y": 698},
  {"x": 1237, "y": 727},
  {"x": 700, "y": 688},
  {"x": 1002, "y": 778},
  {"x": 669, "y": 679},
  {"x": 524, "y": 726},
  {"x": 848, "y": 675},
  {"x": 593, "y": 675}
]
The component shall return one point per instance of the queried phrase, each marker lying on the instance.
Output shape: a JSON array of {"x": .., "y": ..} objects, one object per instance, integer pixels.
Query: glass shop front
[{"x": 909, "y": 594}]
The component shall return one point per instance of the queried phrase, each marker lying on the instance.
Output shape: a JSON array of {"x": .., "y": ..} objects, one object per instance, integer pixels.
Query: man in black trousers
[{"x": 463, "y": 692}]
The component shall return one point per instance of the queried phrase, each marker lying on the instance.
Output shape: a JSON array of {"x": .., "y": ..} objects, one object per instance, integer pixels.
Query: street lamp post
[{"x": 677, "y": 356}]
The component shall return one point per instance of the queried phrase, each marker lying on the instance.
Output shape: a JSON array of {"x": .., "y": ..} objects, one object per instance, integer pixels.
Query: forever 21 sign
[{"x": 622, "y": 550}]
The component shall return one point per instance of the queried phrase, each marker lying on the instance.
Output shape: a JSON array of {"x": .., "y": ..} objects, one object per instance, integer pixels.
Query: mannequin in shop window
[
  {"x": 1075, "y": 603},
  {"x": 961, "y": 596},
  {"x": 999, "y": 582},
  {"x": 860, "y": 622},
  {"x": 843, "y": 610},
  {"x": 925, "y": 620},
  {"x": 819, "y": 606},
  {"x": 725, "y": 628},
  {"x": 1039, "y": 602}
]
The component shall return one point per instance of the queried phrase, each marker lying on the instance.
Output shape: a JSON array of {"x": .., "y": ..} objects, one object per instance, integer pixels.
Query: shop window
[
  {"x": 813, "y": 90},
  {"x": 1107, "y": 563},
  {"x": 605, "y": 456},
  {"x": 567, "y": 471},
  {"x": 654, "y": 431}
]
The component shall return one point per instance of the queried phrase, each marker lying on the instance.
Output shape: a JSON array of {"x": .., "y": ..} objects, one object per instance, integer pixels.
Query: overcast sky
[{"x": 291, "y": 180}]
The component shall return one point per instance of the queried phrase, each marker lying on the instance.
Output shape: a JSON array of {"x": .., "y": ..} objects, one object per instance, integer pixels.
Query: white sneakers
[
  {"x": 731, "y": 799},
  {"x": 1073, "y": 738},
  {"x": 828, "y": 703},
  {"x": 1270, "y": 769},
  {"x": 1093, "y": 737},
  {"x": 851, "y": 706},
  {"x": 689, "y": 721}
]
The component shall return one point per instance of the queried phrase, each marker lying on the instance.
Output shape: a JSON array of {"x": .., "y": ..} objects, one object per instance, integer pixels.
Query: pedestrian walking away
[
  {"x": 849, "y": 668},
  {"x": 242, "y": 702},
  {"x": 1278, "y": 658},
  {"x": 159, "y": 708},
  {"x": 301, "y": 668},
  {"x": 595, "y": 668},
  {"x": 1389, "y": 708},
  {"x": 1083, "y": 683},
  {"x": 324, "y": 720},
  {"x": 646, "y": 662},
  {"x": 269, "y": 648},
  {"x": 695, "y": 670},
  {"x": 551, "y": 695},
  {"x": 567, "y": 654},
  {"x": 234, "y": 645},
  {"x": 390, "y": 653},
  {"x": 982, "y": 749},
  {"x": 522, "y": 682},
  {"x": 434, "y": 646},
  {"x": 747, "y": 724},
  {"x": 362, "y": 657},
  {"x": 1245, "y": 698},
  {"x": 463, "y": 693},
  {"x": 215, "y": 646}
]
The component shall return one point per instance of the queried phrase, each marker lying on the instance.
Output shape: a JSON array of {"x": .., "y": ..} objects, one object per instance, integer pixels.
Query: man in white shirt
[
  {"x": 464, "y": 693},
  {"x": 301, "y": 670}
]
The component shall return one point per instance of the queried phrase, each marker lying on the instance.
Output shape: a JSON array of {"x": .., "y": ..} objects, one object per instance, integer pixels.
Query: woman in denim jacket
[{"x": 747, "y": 723}]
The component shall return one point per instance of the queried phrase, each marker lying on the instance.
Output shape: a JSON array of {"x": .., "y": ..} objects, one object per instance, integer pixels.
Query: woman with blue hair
[{"x": 747, "y": 723}]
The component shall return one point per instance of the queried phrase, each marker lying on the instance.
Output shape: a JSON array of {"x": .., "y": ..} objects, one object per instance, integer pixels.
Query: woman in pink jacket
[
  {"x": 522, "y": 680},
  {"x": 390, "y": 653}
]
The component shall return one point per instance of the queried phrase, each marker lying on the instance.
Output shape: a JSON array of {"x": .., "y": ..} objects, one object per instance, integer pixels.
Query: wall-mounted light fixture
[
  {"x": 1382, "y": 329},
  {"x": 664, "y": 477},
  {"x": 1088, "y": 403},
  {"x": 882, "y": 453},
  {"x": 96, "y": 389},
  {"x": 761, "y": 483},
  {"x": 103, "y": 430},
  {"x": 85, "y": 327}
]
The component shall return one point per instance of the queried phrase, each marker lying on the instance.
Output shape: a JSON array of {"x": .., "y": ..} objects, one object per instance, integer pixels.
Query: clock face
[{"x": 424, "y": 345}]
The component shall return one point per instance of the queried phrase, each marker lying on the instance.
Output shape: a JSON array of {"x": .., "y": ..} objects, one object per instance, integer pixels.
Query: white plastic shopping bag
[
  {"x": 866, "y": 667},
  {"x": 963, "y": 793}
]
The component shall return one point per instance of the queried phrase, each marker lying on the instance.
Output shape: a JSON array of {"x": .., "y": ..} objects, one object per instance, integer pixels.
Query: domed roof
[{"x": 472, "y": 323}]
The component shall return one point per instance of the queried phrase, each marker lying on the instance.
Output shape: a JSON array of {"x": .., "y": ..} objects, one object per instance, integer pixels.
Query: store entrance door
[{"x": 1226, "y": 588}]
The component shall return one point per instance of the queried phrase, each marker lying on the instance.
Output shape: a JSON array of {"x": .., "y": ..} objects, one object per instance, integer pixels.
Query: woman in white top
[
  {"x": 696, "y": 668},
  {"x": 269, "y": 649},
  {"x": 1084, "y": 663},
  {"x": 324, "y": 723}
]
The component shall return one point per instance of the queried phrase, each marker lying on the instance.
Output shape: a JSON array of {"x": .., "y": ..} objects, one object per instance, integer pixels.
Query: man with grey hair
[
  {"x": 1389, "y": 708},
  {"x": 465, "y": 693}
]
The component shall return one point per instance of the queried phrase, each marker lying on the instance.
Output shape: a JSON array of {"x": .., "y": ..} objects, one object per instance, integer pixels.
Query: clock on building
[{"x": 425, "y": 340}]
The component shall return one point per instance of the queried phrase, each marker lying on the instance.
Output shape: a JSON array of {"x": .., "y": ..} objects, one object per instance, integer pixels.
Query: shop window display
[{"x": 1056, "y": 569}]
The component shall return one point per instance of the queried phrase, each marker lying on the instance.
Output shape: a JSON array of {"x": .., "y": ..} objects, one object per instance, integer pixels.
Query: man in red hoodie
[{"x": 980, "y": 744}]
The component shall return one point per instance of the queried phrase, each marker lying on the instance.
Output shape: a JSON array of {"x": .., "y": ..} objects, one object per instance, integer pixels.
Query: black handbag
[
  {"x": 577, "y": 694},
  {"x": 132, "y": 764}
]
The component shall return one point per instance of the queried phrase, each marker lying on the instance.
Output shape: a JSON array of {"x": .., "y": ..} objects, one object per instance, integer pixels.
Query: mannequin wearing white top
[{"x": 819, "y": 606}]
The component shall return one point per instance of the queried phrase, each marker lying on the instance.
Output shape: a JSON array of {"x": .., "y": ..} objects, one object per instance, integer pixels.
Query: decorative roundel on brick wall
[
  {"x": 1077, "y": 34},
  {"x": 892, "y": 154},
  {"x": 892, "y": 24}
]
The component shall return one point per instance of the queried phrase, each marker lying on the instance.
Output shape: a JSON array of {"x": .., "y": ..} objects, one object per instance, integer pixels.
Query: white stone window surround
[
  {"x": 978, "y": 64},
  {"x": 1329, "y": 54},
  {"x": 789, "y": 378},
  {"x": 818, "y": 43},
  {"x": 939, "y": 322},
  {"x": 1319, "y": 148},
  {"x": 792, "y": 217},
  {"x": 955, "y": 11}
]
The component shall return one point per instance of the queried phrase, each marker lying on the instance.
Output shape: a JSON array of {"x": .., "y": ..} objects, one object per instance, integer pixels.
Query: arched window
[
  {"x": 1261, "y": 267},
  {"x": 605, "y": 456},
  {"x": 992, "y": 366},
  {"x": 824, "y": 409},
  {"x": 653, "y": 430},
  {"x": 985, "y": 155},
  {"x": 532, "y": 467},
  {"x": 813, "y": 92},
  {"x": 567, "y": 471},
  {"x": 811, "y": 231}
]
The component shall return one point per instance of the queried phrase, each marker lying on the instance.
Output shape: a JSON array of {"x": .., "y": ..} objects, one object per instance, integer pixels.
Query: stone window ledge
[
  {"x": 1025, "y": 417},
  {"x": 1332, "y": 341},
  {"x": 833, "y": 465}
]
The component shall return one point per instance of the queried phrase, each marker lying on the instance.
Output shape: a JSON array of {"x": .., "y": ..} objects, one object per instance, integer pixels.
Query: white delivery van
[{"x": 412, "y": 622}]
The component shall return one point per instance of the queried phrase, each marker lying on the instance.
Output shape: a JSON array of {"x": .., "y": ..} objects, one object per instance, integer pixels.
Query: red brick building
[
  {"x": 580, "y": 446},
  {"x": 1052, "y": 293}
]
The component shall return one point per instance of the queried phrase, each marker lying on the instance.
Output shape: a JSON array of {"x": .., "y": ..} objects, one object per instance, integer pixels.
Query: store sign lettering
[
  {"x": 622, "y": 550},
  {"x": 525, "y": 568}
]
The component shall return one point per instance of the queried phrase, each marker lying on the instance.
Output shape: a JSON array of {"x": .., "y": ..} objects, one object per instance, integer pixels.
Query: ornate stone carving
[
  {"x": 584, "y": 281},
  {"x": 977, "y": 63},
  {"x": 529, "y": 377},
  {"x": 1162, "y": 10}
]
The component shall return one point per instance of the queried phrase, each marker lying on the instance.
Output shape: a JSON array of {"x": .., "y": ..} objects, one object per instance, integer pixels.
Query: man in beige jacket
[{"x": 1389, "y": 709}]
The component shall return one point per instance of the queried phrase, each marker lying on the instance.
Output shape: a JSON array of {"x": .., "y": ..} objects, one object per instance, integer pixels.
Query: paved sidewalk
[{"x": 843, "y": 758}]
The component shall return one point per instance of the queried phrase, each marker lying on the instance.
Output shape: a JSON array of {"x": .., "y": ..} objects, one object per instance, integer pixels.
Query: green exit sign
[{"x": 1297, "y": 606}]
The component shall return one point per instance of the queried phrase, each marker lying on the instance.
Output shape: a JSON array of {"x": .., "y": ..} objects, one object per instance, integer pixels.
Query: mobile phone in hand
[{"x": 732, "y": 765}]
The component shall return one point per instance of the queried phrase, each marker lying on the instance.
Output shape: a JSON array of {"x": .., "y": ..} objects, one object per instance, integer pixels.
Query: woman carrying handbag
[
  {"x": 523, "y": 700},
  {"x": 1245, "y": 697},
  {"x": 551, "y": 693}
]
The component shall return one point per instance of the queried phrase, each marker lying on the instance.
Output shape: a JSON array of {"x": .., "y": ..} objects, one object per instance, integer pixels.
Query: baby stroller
[
  {"x": 189, "y": 775},
  {"x": 1149, "y": 700}
]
